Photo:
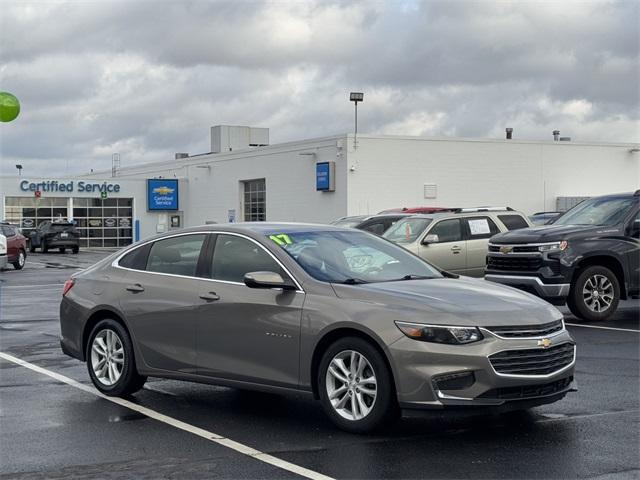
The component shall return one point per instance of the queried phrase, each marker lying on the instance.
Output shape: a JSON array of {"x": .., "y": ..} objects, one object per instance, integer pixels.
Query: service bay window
[{"x": 254, "y": 200}]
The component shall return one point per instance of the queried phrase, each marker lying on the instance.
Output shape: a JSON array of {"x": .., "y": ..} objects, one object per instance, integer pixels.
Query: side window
[
  {"x": 8, "y": 231},
  {"x": 480, "y": 227},
  {"x": 513, "y": 222},
  {"x": 447, "y": 230},
  {"x": 377, "y": 228},
  {"x": 234, "y": 256},
  {"x": 176, "y": 255},
  {"x": 634, "y": 226},
  {"x": 136, "y": 259}
]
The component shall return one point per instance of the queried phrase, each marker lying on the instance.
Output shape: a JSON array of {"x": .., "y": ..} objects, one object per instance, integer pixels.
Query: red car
[
  {"x": 418, "y": 210},
  {"x": 16, "y": 245}
]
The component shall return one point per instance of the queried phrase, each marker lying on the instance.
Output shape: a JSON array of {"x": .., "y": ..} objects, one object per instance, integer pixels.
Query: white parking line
[
  {"x": 602, "y": 328},
  {"x": 213, "y": 437}
]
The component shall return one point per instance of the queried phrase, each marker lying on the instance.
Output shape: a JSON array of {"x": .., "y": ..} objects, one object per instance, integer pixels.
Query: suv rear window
[
  {"x": 513, "y": 222},
  {"x": 60, "y": 227}
]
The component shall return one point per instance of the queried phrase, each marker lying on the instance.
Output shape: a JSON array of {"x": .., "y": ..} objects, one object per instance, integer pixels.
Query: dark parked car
[
  {"x": 16, "y": 245},
  {"x": 356, "y": 321},
  {"x": 60, "y": 235},
  {"x": 377, "y": 224},
  {"x": 417, "y": 210},
  {"x": 589, "y": 257},
  {"x": 544, "y": 218}
]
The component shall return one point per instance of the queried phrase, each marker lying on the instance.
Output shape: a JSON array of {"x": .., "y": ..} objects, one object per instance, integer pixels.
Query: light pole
[
  {"x": 19, "y": 167},
  {"x": 356, "y": 97}
]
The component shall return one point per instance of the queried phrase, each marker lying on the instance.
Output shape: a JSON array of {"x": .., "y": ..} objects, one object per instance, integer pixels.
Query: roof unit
[{"x": 227, "y": 138}]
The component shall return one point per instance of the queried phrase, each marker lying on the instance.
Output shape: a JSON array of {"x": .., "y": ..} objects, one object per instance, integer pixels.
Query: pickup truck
[{"x": 588, "y": 258}]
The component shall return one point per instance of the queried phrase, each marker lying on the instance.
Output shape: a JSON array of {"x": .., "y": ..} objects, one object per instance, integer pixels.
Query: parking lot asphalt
[{"x": 53, "y": 424}]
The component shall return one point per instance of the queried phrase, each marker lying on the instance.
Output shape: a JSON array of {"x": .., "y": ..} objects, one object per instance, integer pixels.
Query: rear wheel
[
  {"x": 19, "y": 263},
  {"x": 110, "y": 360},
  {"x": 595, "y": 294},
  {"x": 356, "y": 387},
  {"x": 75, "y": 250},
  {"x": 32, "y": 247},
  {"x": 62, "y": 250},
  {"x": 43, "y": 247}
]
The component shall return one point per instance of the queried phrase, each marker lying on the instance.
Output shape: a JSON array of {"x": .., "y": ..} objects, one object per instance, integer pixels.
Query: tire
[
  {"x": 124, "y": 379},
  {"x": 32, "y": 247},
  {"x": 75, "y": 250},
  {"x": 592, "y": 289},
  {"x": 43, "y": 247},
  {"x": 382, "y": 405},
  {"x": 22, "y": 258},
  {"x": 62, "y": 250}
]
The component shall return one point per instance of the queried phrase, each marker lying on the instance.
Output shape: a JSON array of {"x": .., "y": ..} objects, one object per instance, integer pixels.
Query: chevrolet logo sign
[
  {"x": 163, "y": 190},
  {"x": 544, "y": 343},
  {"x": 506, "y": 249}
]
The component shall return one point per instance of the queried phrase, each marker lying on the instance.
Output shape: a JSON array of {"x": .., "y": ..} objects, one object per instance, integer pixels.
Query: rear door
[
  {"x": 477, "y": 231},
  {"x": 449, "y": 253},
  {"x": 161, "y": 303},
  {"x": 12, "y": 242}
]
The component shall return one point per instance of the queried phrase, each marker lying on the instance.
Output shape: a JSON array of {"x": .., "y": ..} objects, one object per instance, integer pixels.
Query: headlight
[
  {"x": 436, "y": 334},
  {"x": 551, "y": 247}
]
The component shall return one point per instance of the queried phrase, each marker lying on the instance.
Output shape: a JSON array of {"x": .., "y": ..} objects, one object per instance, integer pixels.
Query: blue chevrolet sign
[
  {"x": 162, "y": 194},
  {"x": 324, "y": 176}
]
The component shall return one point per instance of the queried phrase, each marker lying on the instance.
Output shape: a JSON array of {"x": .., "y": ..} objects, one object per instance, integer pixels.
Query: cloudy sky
[{"x": 148, "y": 78}]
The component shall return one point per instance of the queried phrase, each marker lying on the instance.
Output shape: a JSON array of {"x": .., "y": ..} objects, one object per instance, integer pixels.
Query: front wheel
[
  {"x": 110, "y": 360},
  {"x": 595, "y": 294},
  {"x": 75, "y": 250},
  {"x": 43, "y": 247},
  {"x": 62, "y": 250},
  {"x": 356, "y": 387},
  {"x": 19, "y": 263}
]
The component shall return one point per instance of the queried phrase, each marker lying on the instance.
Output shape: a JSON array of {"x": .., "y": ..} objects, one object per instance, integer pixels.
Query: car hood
[
  {"x": 453, "y": 301},
  {"x": 549, "y": 233}
]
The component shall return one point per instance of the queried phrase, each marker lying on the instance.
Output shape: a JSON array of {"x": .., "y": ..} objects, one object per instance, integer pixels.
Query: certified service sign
[{"x": 162, "y": 194}]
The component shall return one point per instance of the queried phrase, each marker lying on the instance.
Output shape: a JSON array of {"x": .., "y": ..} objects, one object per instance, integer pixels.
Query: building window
[{"x": 255, "y": 203}]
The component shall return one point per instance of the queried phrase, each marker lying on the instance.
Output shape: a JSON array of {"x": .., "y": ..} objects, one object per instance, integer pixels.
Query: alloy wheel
[
  {"x": 21, "y": 259},
  {"x": 351, "y": 385},
  {"x": 598, "y": 293},
  {"x": 107, "y": 357}
]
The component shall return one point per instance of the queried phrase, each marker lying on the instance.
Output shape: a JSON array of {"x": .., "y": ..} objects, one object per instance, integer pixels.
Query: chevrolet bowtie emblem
[
  {"x": 506, "y": 249},
  {"x": 544, "y": 343}
]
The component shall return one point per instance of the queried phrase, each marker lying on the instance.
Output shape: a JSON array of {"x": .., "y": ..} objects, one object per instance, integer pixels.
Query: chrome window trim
[
  {"x": 548, "y": 375},
  {"x": 115, "y": 263}
]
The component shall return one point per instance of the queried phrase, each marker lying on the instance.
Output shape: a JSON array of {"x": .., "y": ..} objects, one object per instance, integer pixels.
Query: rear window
[
  {"x": 513, "y": 222},
  {"x": 407, "y": 230},
  {"x": 61, "y": 227},
  {"x": 176, "y": 255},
  {"x": 136, "y": 259}
]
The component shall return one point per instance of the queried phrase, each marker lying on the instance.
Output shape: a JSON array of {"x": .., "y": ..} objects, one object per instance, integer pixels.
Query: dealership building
[{"x": 244, "y": 178}]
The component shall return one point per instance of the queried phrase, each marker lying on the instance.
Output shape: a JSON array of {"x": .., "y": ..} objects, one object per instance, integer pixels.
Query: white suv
[
  {"x": 455, "y": 241},
  {"x": 3, "y": 251}
]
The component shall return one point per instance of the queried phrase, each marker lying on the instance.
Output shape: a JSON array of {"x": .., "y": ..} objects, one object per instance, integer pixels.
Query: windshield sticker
[{"x": 281, "y": 239}]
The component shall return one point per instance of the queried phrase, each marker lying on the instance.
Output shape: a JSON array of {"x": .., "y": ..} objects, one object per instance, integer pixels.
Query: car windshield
[
  {"x": 407, "y": 230},
  {"x": 351, "y": 257},
  {"x": 598, "y": 211},
  {"x": 349, "y": 222}
]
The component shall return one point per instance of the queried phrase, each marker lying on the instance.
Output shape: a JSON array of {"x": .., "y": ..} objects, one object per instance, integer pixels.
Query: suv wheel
[
  {"x": 19, "y": 263},
  {"x": 32, "y": 247},
  {"x": 356, "y": 387},
  {"x": 595, "y": 294},
  {"x": 110, "y": 360},
  {"x": 62, "y": 250},
  {"x": 75, "y": 250},
  {"x": 43, "y": 247}
]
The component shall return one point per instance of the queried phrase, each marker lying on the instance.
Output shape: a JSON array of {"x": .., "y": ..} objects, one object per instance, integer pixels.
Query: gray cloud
[{"x": 146, "y": 79}]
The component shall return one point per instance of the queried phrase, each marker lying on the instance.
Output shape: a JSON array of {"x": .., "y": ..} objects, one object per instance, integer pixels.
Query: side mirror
[
  {"x": 431, "y": 238},
  {"x": 266, "y": 280}
]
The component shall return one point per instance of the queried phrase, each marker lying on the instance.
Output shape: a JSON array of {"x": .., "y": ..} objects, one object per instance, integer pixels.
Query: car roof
[
  {"x": 454, "y": 214},
  {"x": 263, "y": 228}
]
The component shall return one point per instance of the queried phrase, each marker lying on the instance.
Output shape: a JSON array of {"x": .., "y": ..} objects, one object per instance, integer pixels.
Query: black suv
[
  {"x": 60, "y": 235},
  {"x": 589, "y": 257}
]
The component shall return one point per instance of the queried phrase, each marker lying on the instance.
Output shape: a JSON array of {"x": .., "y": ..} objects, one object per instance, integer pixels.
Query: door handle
[
  {"x": 456, "y": 249},
  {"x": 135, "y": 288},
  {"x": 210, "y": 297}
]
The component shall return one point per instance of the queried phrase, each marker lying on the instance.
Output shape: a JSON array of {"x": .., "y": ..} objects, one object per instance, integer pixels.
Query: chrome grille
[
  {"x": 514, "y": 263},
  {"x": 523, "y": 331},
  {"x": 535, "y": 361}
]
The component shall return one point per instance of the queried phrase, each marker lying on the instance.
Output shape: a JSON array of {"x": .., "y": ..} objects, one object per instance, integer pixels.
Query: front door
[
  {"x": 161, "y": 302},
  {"x": 449, "y": 252},
  {"x": 248, "y": 334}
]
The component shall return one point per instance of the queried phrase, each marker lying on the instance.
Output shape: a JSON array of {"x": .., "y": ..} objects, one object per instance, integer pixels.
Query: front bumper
[
  {"x": 420, "y": 366},
  {"x": 544, "y": 290}
]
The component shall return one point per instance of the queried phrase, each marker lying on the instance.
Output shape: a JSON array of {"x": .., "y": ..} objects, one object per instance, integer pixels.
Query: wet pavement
[{"x": 50, "y": 429}]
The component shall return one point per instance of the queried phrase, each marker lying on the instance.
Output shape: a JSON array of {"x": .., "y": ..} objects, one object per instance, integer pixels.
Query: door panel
[
  {"x": 161, "y": 303},
  {"x": 247, "y": 333},
  {"x": 451, "y": 251}
]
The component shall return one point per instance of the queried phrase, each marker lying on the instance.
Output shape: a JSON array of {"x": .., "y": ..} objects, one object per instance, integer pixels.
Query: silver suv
[{"x": 455, "y": 241}]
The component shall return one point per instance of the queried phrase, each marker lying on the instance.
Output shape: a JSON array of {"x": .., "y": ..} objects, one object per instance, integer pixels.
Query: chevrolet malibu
[{"x": 367, "y": 328}]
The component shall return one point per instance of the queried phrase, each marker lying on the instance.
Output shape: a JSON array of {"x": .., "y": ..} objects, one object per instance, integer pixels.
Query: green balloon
[{"x": 9, "y": 107}]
